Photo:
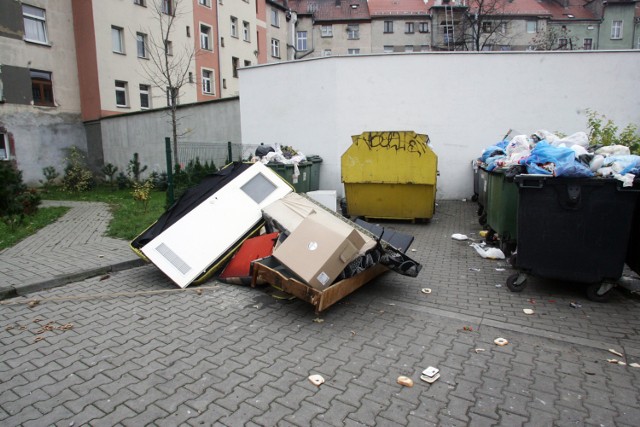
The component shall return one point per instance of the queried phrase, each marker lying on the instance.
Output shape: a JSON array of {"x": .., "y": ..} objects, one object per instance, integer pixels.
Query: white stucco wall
[{"x": 463, "y": 101}]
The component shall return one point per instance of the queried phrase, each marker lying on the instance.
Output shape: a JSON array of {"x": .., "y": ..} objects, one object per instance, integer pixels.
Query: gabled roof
[
  {"x": 332, "y": 10},
  {"x": 574, "y": 10},
  {"x": 378, "y": 8}
]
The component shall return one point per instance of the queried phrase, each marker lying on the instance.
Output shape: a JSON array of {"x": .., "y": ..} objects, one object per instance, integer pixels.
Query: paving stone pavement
[
  {"x": 72, "y": 248},
  {"x": 132, "y": 349}
]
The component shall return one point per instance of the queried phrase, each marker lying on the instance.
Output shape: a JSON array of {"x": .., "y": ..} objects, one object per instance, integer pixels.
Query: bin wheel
[
  {"x": 600, "y": 292},
  {"x": 516, "y": 282},
  {"x": 474, "y": 198},
  {"x": 480, "y": 210}
]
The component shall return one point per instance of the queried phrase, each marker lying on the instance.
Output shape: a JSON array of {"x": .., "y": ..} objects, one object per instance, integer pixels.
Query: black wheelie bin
[{"x": 573, "y": 229}]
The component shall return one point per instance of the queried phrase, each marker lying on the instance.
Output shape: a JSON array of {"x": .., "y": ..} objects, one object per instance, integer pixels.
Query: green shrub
[
  {"x": 109, "y": 171},
  {"x": 135, "y": 169},
  {"x": 16, "y": 200},
  {"x": 50, "y": 175},
  {"x": 603, "y": 131},
  {"x": 77, "y": 177}
]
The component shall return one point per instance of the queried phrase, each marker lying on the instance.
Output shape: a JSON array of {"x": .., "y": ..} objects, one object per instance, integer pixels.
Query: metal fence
[{"x": 218, "y": 153}]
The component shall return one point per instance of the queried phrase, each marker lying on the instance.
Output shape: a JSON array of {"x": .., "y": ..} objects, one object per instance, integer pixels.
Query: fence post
[
  {"x": 170, "y": 195},
  {"x": 229, "y": 153}
]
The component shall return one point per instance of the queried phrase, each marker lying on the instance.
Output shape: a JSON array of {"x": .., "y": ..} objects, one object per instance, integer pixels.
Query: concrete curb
[{"x": 13, "y": 291}]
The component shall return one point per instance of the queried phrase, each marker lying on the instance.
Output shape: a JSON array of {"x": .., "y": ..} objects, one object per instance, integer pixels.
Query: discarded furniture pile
[{"x": 246, "y": 225}]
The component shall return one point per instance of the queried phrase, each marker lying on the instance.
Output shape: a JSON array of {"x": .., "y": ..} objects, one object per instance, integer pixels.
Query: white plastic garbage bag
[
  {"x": 458, "y": 236},
  {"x": 578, "y": 138},
  {"x": 613, "y": 150},
  {"x": 489, "y": 253}
]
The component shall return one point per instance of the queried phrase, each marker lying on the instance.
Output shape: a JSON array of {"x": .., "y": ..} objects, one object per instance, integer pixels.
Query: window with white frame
[
  {"x": 409, "y": 27},
  {"x": 275, "y": 18},
  {"x": 275, "y": 48},
  {"x": 326, "y": 30},
  {"x": 121, "y": 94},
  {"x": 207, "y": 82},
  {"x": 205, "y": 37},
  {"x": 140, "y": 2},
  {"x": 326, "y": 52},
  {"x": 117, "y": 39},
  {"x": 168, "y": 46},
  {"x": 388, "y": 26},
  {"x": 167, "y": 7},
  {"x": 172, "y": 96},
  {"x": 141, "y": 44},
  {"x": 423, "y": 27},
  {"x": 388, "y": 49},
  {"x": 4, "y": 147},
  {"x": 487, "y": 26},
  {"x": 353, "y": 31},
  {"x": 234, "y": 26},
  {"x": 35, "y": 24},
  {"x": 353, "y": 51},
  {"x": 42, "y": 88},
  {"x": 532, "y": 27},
  {"x": 301, "y": 40},
  {"x": 246, "y": 31},
  {"x": 145, "y": 98},
  {"x": 563, "y": 43},
  {"x": 235, "y": 63},
  {"x": 616, "y": 30},
  {"x": 204, "y": 3},
  {"x": 503, "y": 28}
]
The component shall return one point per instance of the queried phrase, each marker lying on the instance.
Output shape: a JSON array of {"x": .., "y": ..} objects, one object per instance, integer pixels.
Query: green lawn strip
[{"x": 9, "y": 236}]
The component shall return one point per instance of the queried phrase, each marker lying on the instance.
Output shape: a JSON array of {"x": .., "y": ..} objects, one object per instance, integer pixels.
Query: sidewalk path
[{"x": 71, "y": 249}]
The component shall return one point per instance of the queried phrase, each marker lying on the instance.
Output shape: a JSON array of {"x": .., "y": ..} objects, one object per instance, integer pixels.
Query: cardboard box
[{"x": 317, "y": 253}]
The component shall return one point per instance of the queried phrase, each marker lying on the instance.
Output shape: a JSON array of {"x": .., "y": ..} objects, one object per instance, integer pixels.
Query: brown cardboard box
[{"x": 318, "y": 253}]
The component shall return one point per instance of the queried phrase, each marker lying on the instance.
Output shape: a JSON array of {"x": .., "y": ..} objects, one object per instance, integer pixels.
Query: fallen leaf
[
  {"x": 318, "y": 320},
  {"x": 38, "y": 338},
  {"x": 33, "y": 303},
  {"x": 105, "y": 277},
  {"x": 612, "y": 360},
  {"x": 405, "y": 381},
  {"x": 620, "y": 362},
  {"x": 634, "y": 365},
  {"x": 479, "y": 350}
]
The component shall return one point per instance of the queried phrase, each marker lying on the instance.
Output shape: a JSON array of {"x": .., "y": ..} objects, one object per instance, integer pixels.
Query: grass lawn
[{"x": 129, "y": 216}]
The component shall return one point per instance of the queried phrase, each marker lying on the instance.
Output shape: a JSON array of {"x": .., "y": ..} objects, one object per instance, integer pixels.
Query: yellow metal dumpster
[{"x": 390, "y": 175}]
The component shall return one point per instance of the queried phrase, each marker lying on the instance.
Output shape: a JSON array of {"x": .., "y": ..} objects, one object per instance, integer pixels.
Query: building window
[
  {"x": 234, "y": 26},
  {"x": 275, "y": 48},
  {"x": 205, "y": 37},
  {"x": 141, "y": 44},
  {"x": 172, "y": 96},
  {"x": 408, "y": 48},
  {"x": 353, "y": 31},
  {"x": 207, "y": 82},
  {"x": 246, "y": 31},
  {"x": 616, "y": 30},
  {"x": 423, "y": 27},
  {"x": 35, "y": 24},
  {"x": 532, "y": 27},
  {"x": 486, "y": 26},
  {"x": 409, "y": 27},
  {"x": 117, "y": 41},
  {"x": 301, "y": 40},
  {"x": 140, "y": 2},
  {"x": 326, "y": 31},
  {"x": 145, "y": 99},
  {"x": 588, "y": 44},
  {"x": 188, "y": 31},
  {"x": 234, "y": 66},
  {"x": 42, "y": 88},
  {"x": 204, "y": 3},
  {"x": 121, "y": 94},
  {"x": 503, "y": 28},
  {"x": 167, "y": 7},
  {"x": 326, "y": 52},
  {"x": 388, "y": 26},
  {"x": 168, "y": 46},
  {"x": 275, "y": 18},
  {"x": 224, "y": 81},
  {"x": 562, "y": 43},
  {"x": 4, "y": 147},
  {"x": 388, "y": 49},
  {"x": 353, "y": 51}
]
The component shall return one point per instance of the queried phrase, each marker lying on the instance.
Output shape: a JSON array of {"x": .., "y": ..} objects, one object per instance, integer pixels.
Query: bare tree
[
  {"x": 484, "y": 24},
  {"x": 168, "y": 68}
]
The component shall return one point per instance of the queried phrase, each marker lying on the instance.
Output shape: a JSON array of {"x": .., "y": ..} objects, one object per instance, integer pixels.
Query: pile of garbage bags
[
  {"x": 278, "y": 154},
  {"x": 547, "y": 154}
]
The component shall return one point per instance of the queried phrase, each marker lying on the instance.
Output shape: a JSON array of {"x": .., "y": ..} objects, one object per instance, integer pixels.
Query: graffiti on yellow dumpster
[{"x": 410, "y": 142}]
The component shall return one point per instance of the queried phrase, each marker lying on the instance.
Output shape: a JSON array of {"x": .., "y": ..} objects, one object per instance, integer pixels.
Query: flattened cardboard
[{"x": 318, "y": 253}]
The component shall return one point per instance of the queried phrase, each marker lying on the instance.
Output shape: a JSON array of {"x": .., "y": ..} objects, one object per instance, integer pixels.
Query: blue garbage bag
[
  {"x": 630, "y": 163},
  {"x": 547, "y": 159}
]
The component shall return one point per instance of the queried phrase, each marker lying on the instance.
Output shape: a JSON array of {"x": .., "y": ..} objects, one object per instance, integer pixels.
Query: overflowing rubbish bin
[
  {"x": 573, "y": 229},
  {"x": 502, "y": 209},
  {"x": 390, "y": 175},
  {"x": 299, "y": 176},
  {"x": 314, "y": 176}
]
